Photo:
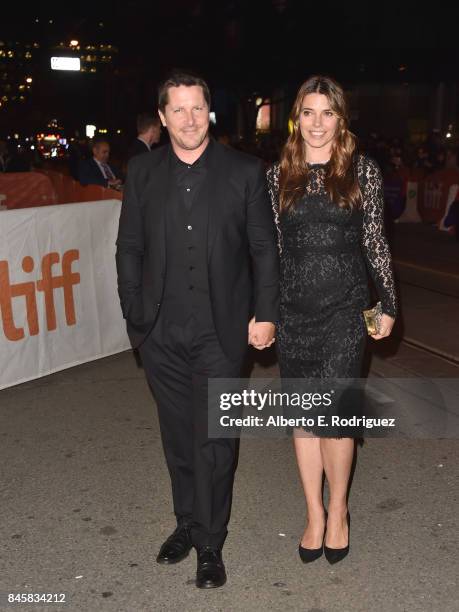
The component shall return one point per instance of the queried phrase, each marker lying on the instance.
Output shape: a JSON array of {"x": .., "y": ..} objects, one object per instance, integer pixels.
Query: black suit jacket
[
  {"x": 243, "y": 264},
  {"x": 136, "y": 148},
  {"x": 89, "y": 173}
]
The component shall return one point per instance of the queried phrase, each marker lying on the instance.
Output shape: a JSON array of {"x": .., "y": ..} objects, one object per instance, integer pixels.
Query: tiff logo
[{"x": 47, "y": 284}]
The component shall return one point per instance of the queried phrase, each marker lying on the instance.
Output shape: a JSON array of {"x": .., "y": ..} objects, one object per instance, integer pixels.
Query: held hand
[
  {"x": 261, "y": 334},
  {"x": 385, "y": 327},
  {"x": 251, "y": 324}
]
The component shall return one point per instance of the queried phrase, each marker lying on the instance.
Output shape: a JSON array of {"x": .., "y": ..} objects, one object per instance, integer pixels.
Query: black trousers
[{"x": 178, "y": 359}]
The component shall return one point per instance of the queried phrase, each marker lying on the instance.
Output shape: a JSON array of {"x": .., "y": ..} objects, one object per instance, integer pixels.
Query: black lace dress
[{"x": 326, "y": 252}]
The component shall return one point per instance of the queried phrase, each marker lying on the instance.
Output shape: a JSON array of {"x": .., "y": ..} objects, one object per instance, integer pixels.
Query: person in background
[
  {"x": 96, "y": 170},
  {"x": 451, "y": 158},
  {"x": 77, "y": 152},
  {"x": 4, "y": 156},
  {"x": 148, "y": 134},
  {"x": 422, "y": 160},
  {"x": 14, "y": 158}
]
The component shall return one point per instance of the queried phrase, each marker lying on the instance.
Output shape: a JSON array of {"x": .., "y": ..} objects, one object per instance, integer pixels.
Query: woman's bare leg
[
  {"x": 337, "y": 456},
  {"x": 310, "y": 465}
]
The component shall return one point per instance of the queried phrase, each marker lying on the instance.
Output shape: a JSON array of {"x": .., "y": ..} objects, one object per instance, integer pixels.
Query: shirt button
[{"x": 189, "y": 227}]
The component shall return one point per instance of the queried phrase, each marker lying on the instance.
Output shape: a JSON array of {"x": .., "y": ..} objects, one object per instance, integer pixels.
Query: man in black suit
[
  {"x": 96, "y": 170},
  {"x": 196, "y": 258},
  {"x": 148, "y": 134}
]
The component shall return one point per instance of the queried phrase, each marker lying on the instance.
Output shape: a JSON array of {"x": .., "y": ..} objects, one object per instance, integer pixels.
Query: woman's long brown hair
[{"x": 341, "y": 178}]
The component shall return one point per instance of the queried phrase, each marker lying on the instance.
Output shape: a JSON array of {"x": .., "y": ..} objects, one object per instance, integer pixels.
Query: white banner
[
  {"x": 59, "y": 305},
  {"x": 452, "y": 197},
  {"x": 410, "y": 214}
]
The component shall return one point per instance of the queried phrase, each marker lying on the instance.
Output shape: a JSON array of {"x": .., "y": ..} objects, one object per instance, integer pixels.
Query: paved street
[{"x": 85, "y": 497}]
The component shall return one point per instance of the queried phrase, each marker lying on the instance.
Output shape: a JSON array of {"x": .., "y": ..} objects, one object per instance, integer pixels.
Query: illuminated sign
[
  {"x": 90, "y": 131},
  {"x": 65, "y": 63}
]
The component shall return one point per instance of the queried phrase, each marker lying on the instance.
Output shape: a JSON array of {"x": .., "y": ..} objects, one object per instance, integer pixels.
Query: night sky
[{"x": 242, "y": 47}]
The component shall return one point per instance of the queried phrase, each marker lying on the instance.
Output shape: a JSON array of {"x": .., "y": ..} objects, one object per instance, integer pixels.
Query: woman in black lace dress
[{"x": 328, "y": 206}]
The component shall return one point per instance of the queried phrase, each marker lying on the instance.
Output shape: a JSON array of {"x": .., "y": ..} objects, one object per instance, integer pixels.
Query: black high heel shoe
[
  {"x": 334, "y": 555},
  {"x": 308, "y": 555}
]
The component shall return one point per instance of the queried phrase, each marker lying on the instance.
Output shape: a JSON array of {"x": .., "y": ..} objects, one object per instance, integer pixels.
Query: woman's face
[{"x": 318, "y": 123}]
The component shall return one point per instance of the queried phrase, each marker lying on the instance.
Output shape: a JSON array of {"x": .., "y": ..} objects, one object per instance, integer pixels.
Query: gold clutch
[{"x": 372, "y": 318}]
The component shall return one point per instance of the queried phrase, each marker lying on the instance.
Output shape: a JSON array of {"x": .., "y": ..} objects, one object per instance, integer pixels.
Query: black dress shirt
[{"x": 187, "y": 286}]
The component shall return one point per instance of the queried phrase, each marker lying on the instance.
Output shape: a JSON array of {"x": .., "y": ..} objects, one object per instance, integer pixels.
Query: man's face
[
  {"x": 101, "y": 152},
  {"x": 186, "y": 116}
]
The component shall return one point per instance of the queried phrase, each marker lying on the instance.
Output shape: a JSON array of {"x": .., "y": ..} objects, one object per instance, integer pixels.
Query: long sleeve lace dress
[{"x": 326, "y": 254}]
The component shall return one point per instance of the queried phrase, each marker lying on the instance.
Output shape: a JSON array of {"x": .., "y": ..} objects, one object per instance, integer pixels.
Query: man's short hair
[
  {"x": 145, "y": 121},
  {"x": 175, "y": 79},
  {"x": 98, "y": 140}
]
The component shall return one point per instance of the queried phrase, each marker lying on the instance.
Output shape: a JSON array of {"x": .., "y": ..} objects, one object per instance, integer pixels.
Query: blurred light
[
  {"x": 448, "y": 135},
  {"x": 401, "y": 68},
  {"x": 32, "y": 148},
  {"x": 65, "y": 63},
  {"x": 259, "y": 101},
  {"x": 290, "y": 126},
  {"x": 37, "y": 20},
  {"x": 101, "y": 24},
  {"x": 90, "y": 131},
  {"x": 16, "y": 136},
  {"x": 118, "y": 131},
  {"x": 50, "y": 21},
  {"x": 102, "y": 130},
  {"x": 74, "y": 43},
  {"x": 212, "y": 117},
  {"x": 29, "y": 79}
]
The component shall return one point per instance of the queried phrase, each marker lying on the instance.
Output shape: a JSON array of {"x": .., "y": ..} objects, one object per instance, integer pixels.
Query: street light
[{"x": 28, "y": 79}]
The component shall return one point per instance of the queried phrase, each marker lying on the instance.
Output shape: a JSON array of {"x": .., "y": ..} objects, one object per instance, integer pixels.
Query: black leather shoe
[
  {"x": 211, "y": 570},
  {"x": 334, "y": 555},
  {"x": 176, "y": 547}
]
